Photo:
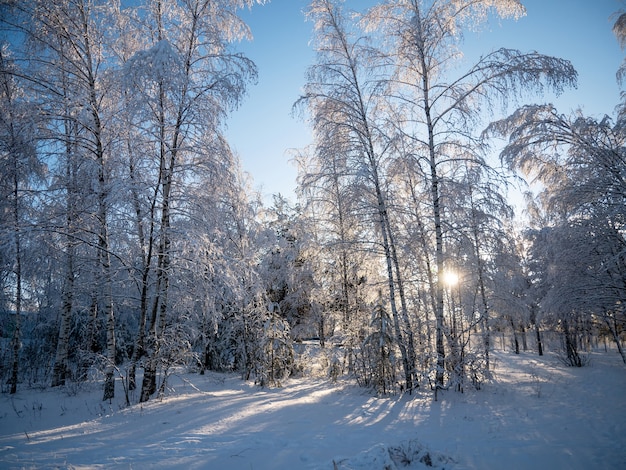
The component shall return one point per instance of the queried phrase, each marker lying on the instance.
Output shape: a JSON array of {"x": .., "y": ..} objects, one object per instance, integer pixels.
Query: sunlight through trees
[{"x": 132, "y": 244}]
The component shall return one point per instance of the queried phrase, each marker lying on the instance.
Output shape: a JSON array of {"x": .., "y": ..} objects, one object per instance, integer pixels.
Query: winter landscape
[
  {"x": 535, "y": 413},
  {"x": 442, "y": 286}
]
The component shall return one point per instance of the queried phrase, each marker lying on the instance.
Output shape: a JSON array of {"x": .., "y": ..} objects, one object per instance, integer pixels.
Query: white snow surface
[{"x": 534, "y": 414}]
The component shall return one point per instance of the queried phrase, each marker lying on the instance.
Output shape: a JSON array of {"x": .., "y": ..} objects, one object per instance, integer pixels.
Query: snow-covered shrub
[
  {"x": 406, "y": 454},
  {"x": 375, "y": 364},
  {"x": 311, "y": 360},
  {"x": 570, "y": 344},
  {"x": 471, "y": 367},
  {"x": 412, "y": 453},
  {"x": 276, "y": 359},
  {"x": 335, "y": 368},
  {"x": 173, "y": 350},
  {"x": 476, "y": 369}
]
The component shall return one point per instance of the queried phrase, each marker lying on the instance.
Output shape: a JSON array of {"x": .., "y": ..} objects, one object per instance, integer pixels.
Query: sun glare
[{"x": 450, "y": 278}]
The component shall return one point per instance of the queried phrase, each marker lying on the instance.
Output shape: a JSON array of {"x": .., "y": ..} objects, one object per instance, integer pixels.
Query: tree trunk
[
  {"x": 436, "y": 211},
  {"x": 16, "y": 340},
  {"x": 392, "y": 293},
  {"x": 539, "y": 343},
  {"x": 410, "y": 371},
  {"x": 571, "y": 349},
  {"x": 533, "y": 321},
  {"x": 157, "y": 326},
  {"x": 321, "y": 331},
  {"x": 427, "y": 261},
  {"x": 613, "y": 328},
  {"x": 439, "y": 320},
  {"x": 59, "y": 372},
  {"x": 139, "y": 347},
  {"x": 481, "y": 282},
  {"x": 147, "y": 250},
  {"x": 514, "y": 331},
  {"x": 385, "y": 229},
  {"x": 105, "y": 260},
  {"x": 104, "y": 256},
  {"x": 109, "y": 383}
]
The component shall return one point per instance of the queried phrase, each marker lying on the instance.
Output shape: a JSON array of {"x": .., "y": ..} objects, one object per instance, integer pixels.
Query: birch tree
[
  {"x": 19, "y": 169},
  {"x": 343, "y": 97},
  {"x": 71, "y": 70},
  {"x": 440, "y": 105},
  {"x": 184, "y": 81},
  {"x": 84, "y": 57},
  {"x": 333, "y": 209},
  {"x": 581, "y": 162},
  {"x": 70, "y": 177},
  {"x": 487, "y": 212}
]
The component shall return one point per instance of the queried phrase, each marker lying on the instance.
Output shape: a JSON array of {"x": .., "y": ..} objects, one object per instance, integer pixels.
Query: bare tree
[
  {"x": 19, "y": 163},
  {"x": 183, "y": 83},
  {"x": 440, "y": 106},
  {"x": 581, "y": 163},
  {"x": 343, "y": 97}
]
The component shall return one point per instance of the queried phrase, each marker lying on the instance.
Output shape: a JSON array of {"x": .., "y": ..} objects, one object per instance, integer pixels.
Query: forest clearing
[{"x": 535, "y": 413}]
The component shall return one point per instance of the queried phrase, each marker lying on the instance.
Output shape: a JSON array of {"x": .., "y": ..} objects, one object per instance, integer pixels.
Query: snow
[{"x": 536, "y": 413}]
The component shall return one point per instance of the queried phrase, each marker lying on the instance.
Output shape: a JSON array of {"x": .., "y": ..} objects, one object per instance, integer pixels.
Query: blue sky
[{"x": 262, "y": 131}]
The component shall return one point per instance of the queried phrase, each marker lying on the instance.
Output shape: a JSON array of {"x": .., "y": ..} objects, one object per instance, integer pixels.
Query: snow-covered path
[{"x": 537, "y": 414}]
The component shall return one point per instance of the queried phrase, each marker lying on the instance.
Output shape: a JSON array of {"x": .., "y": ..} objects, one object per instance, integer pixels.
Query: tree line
[{"x": 132, "y": 243}]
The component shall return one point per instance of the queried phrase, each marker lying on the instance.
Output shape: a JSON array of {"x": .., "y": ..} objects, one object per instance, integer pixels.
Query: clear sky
[{"x": 262, "y": 131}]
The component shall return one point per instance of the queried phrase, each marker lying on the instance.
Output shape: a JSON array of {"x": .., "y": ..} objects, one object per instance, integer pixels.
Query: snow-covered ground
[{"x": 536, "y": 414}]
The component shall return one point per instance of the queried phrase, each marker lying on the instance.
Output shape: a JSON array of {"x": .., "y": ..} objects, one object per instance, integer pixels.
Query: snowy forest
[{"x": 132, "y": 244}]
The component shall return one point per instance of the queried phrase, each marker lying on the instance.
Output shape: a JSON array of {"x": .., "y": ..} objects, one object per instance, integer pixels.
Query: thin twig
[
  {"x": 15, "y": 409},
  {"x": 238, "y": 454}
]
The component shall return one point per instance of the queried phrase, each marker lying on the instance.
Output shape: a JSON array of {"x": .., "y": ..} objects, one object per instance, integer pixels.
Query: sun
[{"x": 450, "y": 278}]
